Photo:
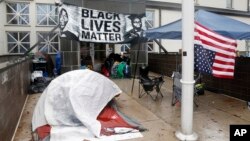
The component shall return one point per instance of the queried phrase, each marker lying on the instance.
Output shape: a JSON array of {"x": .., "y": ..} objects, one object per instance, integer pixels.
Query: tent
[
  {"x": 220, "y": 24},
  {"x": 79, "y": 105}
]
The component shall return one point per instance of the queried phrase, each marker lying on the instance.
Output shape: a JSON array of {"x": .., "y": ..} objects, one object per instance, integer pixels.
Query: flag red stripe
[
  {"x": 223, "y": 62},
  {"x": 225, "y": 48},
  {"x": 214, "y": 38},
  {"x": 225, "y": 56},
  {"x": 232, "y": 40},
  {"x": 223, "y": 69},
  {"x": 214, "y": 45},
  {"x": 224, "y": 76}
]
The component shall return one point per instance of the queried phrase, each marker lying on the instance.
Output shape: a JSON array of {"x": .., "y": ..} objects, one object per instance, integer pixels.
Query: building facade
[
  {"x": 161, "y": 12},
  {"x": 29, "y": 22},
  {"x": 25, "y": 22}
]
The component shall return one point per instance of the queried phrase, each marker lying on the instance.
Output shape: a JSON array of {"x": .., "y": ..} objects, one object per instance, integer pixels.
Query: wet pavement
[{"x": 212, "y": 118}]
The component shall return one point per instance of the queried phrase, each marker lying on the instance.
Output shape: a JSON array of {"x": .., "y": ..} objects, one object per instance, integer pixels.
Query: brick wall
[{"x": 239, "y": 87}]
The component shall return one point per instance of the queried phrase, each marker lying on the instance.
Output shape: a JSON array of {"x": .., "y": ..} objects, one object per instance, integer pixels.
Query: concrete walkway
[{"x": 211, "y": 119}]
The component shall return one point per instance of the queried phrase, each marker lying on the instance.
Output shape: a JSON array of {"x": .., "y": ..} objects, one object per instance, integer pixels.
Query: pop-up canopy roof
[{"x": 221, "y": 24}]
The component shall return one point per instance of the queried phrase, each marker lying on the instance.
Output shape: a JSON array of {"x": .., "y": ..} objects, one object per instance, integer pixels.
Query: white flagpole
[{"x": 187, "y": 80}]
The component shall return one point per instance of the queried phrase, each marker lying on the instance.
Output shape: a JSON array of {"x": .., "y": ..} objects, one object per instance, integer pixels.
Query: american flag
[{"x": 214, "y": 53}]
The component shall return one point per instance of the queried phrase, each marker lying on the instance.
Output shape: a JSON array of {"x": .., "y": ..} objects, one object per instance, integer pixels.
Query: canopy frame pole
[
  {"x": 161, "y": 46},
  {"x": 187, "y": 80},
  {"x": 136, "y": 64},
  {"x": 39, "y": 41}
]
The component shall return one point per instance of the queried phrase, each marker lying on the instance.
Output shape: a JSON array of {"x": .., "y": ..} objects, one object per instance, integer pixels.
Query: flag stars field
[{"x": 214, "y": 53}]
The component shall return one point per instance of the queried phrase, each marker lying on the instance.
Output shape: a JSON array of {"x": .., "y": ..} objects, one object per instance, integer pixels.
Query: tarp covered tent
[
  {"x": 222, "y": 25},
  {"x": 77, "y": 106}
]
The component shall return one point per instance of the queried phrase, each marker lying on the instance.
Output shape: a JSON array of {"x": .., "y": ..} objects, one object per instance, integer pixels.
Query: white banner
[{"x": 90, "y": 25}]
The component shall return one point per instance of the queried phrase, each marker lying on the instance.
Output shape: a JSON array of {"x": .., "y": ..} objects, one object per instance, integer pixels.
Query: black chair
[{"x": 149, "y": 84}]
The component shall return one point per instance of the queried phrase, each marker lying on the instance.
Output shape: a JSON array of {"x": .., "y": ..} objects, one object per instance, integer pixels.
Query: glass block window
[
  {"x": 17, "y": 13},
  {"x": 248, "y": 48},
  {"x": 196, "y": 2},
  {"x": 125, "y": 48},
  {"x": 150, "y": 45},
  {"x": 47, "y": 14},
  {"x": 49, "y": 44},
  {"x": 229, "y": 4},
  {"x": 18, "y": 42},
  {"x": 150, "y": 24},
  {"x": 149, "y": 19}
]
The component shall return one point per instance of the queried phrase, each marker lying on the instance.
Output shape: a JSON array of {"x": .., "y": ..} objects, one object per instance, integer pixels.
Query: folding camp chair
[
  {"x": 176, "y": 97},
  {"x": 149, "y": 84}
]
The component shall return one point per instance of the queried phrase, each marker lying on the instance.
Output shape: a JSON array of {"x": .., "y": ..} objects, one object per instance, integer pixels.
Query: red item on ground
[
  {"x": 109, "y": 118},
  {"x": 43, "y": 131}
]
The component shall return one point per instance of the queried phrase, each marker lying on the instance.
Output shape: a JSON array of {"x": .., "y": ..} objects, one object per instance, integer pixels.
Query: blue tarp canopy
[{"x": 221, "y": 24}]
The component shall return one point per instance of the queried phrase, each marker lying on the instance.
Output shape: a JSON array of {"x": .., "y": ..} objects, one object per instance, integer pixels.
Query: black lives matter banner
[{"x": 91, "y": 25}]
